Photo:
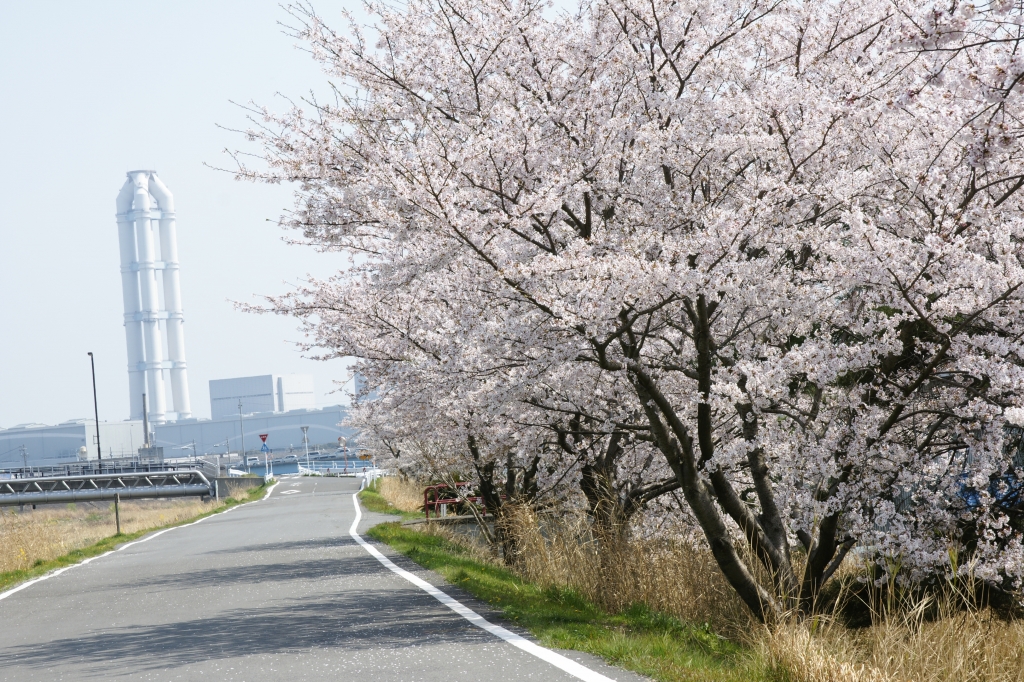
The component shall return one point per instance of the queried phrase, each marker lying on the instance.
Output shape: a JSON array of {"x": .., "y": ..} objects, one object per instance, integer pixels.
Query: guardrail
[
  {"x": 105, "y": 486},
  {"x": 346, "y": 468}
]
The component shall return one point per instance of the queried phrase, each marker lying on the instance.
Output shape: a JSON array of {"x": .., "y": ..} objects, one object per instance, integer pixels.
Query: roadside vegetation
[
  {"x": 392, "y": 495},
  {"x": 36, "y": 541},
  {"x": 636, "y": 638},
  {"x": 663, "y": 610}
]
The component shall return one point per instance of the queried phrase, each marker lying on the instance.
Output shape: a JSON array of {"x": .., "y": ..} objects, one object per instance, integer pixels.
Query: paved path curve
[{"x": 273, "y": 590}]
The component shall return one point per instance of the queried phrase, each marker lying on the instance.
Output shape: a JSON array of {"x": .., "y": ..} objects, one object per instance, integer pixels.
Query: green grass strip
[
  {"x": 42, "y": 567},
  {"x": 638, "y": 639}
]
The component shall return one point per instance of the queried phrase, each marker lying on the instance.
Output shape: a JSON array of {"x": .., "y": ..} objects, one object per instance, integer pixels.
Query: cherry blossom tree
[{"x": 778, "y": 244}]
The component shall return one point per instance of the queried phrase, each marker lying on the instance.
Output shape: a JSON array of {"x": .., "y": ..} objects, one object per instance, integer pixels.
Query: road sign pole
[{"x": 266, "y": 455}]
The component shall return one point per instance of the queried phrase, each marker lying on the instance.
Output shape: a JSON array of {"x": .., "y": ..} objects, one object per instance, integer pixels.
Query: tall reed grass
[
  {"x": 963, "y": 646},
  {"x": 672, "y": 577},
  {"x": 402, "y": 493},
  {"x": 941, "y": 631}
]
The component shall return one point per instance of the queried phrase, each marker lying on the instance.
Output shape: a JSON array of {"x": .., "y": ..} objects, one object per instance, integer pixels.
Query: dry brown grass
[
  {"x": 971, "y": 645},
  {"x": 403, "y": 494},
  {"x": 51, "y": 531},
  {"x": 670, "y": 577},
  {"x": 936, "y": 634},
  {"x": 802, "y": 653}
]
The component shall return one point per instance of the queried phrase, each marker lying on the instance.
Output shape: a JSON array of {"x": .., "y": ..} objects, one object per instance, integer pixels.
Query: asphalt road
[{"x": 274, "y": 590}]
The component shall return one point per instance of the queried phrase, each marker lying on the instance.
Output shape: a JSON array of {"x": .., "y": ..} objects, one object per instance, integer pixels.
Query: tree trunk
[
  {"x": 674, "y": 441},
  {"x": 519, "y": 487}
]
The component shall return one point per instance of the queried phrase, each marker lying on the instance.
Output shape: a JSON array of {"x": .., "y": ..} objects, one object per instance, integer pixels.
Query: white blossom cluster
[{"x": 766, "y": 255}]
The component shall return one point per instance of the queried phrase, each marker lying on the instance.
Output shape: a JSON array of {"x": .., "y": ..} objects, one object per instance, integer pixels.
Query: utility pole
[
  {"x": 24, "y": 458},
  {"x": 241, "y": 431}
]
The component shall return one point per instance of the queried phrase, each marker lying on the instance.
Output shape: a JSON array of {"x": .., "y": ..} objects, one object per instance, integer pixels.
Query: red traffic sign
[{"x": 263, "y": 437}]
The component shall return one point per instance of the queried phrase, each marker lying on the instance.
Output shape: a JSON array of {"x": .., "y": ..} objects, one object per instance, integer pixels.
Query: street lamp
[
  {"x": 96, "y": 412},
  {"x": 99, "y": 450},
  {"x": 192, "y": 447},
  {"x": 305, "y": 443}
]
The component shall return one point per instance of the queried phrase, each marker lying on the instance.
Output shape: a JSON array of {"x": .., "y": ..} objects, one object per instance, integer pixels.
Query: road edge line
[
  {"x": 561, "y": 662},
  {"x": 147, "y": 538}
]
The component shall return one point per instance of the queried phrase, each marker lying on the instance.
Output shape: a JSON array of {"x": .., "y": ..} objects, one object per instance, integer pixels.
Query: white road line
[
  {"x": 83, "y": 562},
  {"x": 567, "y": 664}
]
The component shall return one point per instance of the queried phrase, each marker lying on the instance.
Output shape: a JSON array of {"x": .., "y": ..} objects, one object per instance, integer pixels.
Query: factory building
[
  {"x": 63, "y": 443},
  {"x": 242, "y": 408},
  {"x": 229, "y": 434},
  {"x": 39, "y": 444},
  {"x": 264, "y": 393},
  {"x": 275, "y": 405}
]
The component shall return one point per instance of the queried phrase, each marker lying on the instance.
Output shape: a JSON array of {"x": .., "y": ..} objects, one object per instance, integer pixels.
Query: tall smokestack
[{"x": 152, "y": 317}]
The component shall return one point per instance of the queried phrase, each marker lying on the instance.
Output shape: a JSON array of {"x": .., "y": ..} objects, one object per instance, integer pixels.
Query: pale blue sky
[{"x": 89, "y": 90}]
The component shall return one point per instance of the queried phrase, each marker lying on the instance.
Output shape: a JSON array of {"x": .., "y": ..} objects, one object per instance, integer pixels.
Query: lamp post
[
  {"x": 192, "y": 447},
  {"x": 99, "y": 450},
  {"x": 305, "y": 443},
  {"x": 96, "y": 412}
]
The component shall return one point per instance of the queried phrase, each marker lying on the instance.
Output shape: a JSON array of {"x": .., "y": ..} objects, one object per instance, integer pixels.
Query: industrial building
[
  {"x": 67, "y": 442},
  {"x": 265, "y": 393},
  {"x": 230, "y": 434},
  {"x": 64, "y": 443}
]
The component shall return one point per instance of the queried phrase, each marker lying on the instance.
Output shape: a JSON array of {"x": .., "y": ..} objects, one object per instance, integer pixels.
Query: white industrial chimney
[{"x": 153, "y": 321}]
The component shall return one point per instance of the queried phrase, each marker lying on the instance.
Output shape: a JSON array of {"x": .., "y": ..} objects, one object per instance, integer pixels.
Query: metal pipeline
[
  {"x": 93, "y": 495},
  {"x": 97, "y": 487}
]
